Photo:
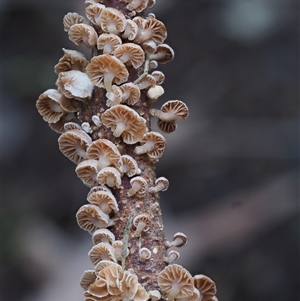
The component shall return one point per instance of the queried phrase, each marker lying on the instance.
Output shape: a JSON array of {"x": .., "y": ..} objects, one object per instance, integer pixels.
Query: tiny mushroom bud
[
  {"x": 175, "y": 282},
  {"x": 86, "y": 127},
  {"x": 130, "y": 30},
  {"x": 179, "y": 240},
  {"x": 130, "y": 167},
  {"x": 154, "y": 295},
  {"x": 87, "y": 279},
  {"x": 125, "y": 122},
  {"x": 87, "y": 172},
  {"x": 161, "y": 184},
  {"x": 93, "y": 12},
  {"x": 96, "y": 120},
  {"x": 102, "y": 251},
  {"x": 108, "y": 42},
  {"x": 112, "y": 20},
  {"x": 83, "y": 34},
  {"x": 169, "y": 113},
  {"x": 149, "y": 46},
  {"x": 130, "y": 54},
  {"x": 138, "y": 186},
  {"x": 103, "y": 235},
  {"x": 172, "y": 256},
  {"x": 73, "y": 144},
  {"x": 142, "y": 223},
  {"x": 109, "y": 176},
  {"x": 71, "y": 19},
  {"x": 155, "y": 92},
  {"x": 206, "y": 286},
  {"x": 144, "y": 254},
  {"x": 130, "y": 93},
  {"x": 153, "y": 144},
  {"x": 105, "y": 200}
]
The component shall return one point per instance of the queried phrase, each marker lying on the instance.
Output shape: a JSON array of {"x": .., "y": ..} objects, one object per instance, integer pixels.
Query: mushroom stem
[
  {"x": 148, "y": 146},
  {"x": 110, "y": 181},
  {"x": 121, "y": 126},
  {"x": 140, "y": 227},
  {"x": 157, "y": 188},
  {"x": 134, "y": 188},
  {"x": 146, "y": 70},
  {"x": 164, "y": 116},
  {"x": 174, "y": 291},
  {"x": 108, "y": 78}
]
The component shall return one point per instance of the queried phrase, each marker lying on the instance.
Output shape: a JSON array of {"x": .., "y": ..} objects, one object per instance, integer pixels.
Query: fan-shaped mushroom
[
  {"x": 161, "y": 184},
  {"x": 142, "y": 223},
  {"x": 108, "y": 42},
  {"x": 109, "y": 176},
  {"x": 112, "y": 20},
  {"x": 206, "y": 286},
  {"x": 131, "y": 54},
  {"x": 138, "y": 186},
  {"x": 83, "y": 34},
  {"x": 71, "y": 19},
  {"x": 87, "y": 172},
  {"x": 105, "y": 200}
]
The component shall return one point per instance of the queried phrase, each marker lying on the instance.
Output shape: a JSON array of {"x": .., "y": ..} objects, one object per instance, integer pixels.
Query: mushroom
[
  {"x": 138, "y": 186},
  {"x": 163, "y": 54},
  {"x": 73, "y": 144},
  {"x": 146, "y": 82},
  {"x": 103, "y": 264},
  {"x": 93, "y": 12},
  {"x": 108, "y": 42},
  {"x": 206, "y": 286},
  {"x": 91, "y": 217},
  {"x": 98, "y": 188},
  {"x": 109, "y": 176},
  {"x": 105, "y": 200},
  {"x": 101, "y": 251},
  {"x": 153, "y": 64},
  {"x": 83, "y": 34},
  {"x": 48, "y": 105},
  {"x": 105, "y": 69},
  {"x": 130, "y": 167},
  {"x": 172, "y": 256},
  {"x": 179, "y": 240},
  {"x": 106, "y": 153},
  {"x": 112, "y": 20},
  {"x": 125, "y": 122},
  {"x": 71, "y": 19},
  {"x": 86, "y": 127},
  {"x": 72, "y": 126},
  {"x": 145, "y": 254},
  {"x": 169, "y": 113},
  {"x": 118, "y": 246},
  {"x": 58, "y": 126},
  {"x": 87, "y": 172},
  {"x": 87, "y": 278},
  {"x": 155, "y": 92},
  {"x": 103, "y": 235},
  {"x": 130, "y": 31},
  {"x": 161, "y": 184},
  {"x": 175, "y": 282},
  {"x": 130, "y": 54},
  {"x": 75, "y": 84},
  {"x": 114, "y": 97},
  {"x": 153, "y": 144},
  {"x": 194, "y": 297},
  {"x": 159, "y": 77},
  {"x": 130, "y": 93},
  {"x": 142, "y": 223},
  {"x": 71, "y": 60},
  {"x": 96, "y": 120},
  {"x": 137, "y": 5}
]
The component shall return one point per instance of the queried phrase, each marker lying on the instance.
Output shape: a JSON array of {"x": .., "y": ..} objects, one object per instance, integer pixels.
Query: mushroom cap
[
  {"x": 153, "y": 143},
  {"x": 48, "y": 105},
  {"x": 118, "y": 246},
  {"x": 172, "y": 256},
  {"x": 206, "y": 286},
  {"x": 73, "y": 144},
  {"x": 106, "y": 64},
  {"x": 112, "y": 20},
  {"x": 103, "y": 235},
  {"x": 103, "y": 264},
  {"x": 153, "y": 64},
  {"x": 133, "y": 126},
  {"x": 159, "y": 77},
  {"x": 93, "y": 12},
  {"x": 149, "y": 46},
  {"x": 109, "y": 176},
  {"x": 142, "y": 218},
  {"x": 108, "y": 42},
  {"x": 164, "y": 181},
  {"x": 130, "y": 167},
  {"x": 179, "y": 240},
  {"x": 75, "y": 84},
  {"x": 72, "y": 126},
  {"x": 176, "y": 282},
  {"x": 105, "y": 200},
  {"x": 71, "y": 60},
  {"x": 155, "y": 92},
  {"x": 69, "y": 104},
  {"x": 71, "y": 19},
  {"x": 101, "y": 251},
  {"x": 91, "y": 217},
  {"x": 138, "y": 6},
  {"x": 147, "y": 82},
  {"x": 87, "y": 172},
  {"x": 98, "y": 188},
  {"x": 145, "y": 253},
  {"x": 130, "y": 53},
  {"x": 163, "y": 54},
  {"x": 142, "y": 188},
  {"x": 151, "y": 3},
  {"x": 131, "y": 93},
  {"x": 83, "y": 34},
  {"x": 106, "y": 153},
  {"x": 130, "y": 31},
  {"x": 87, "y": 278},
  {"x": 194, "y": 297},
  {"x": 114, "y": 97},
  {"x": 58, "y": 126}
]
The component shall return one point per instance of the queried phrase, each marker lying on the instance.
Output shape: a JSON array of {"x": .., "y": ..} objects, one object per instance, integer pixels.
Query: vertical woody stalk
[{"x": 103, "y": 126}]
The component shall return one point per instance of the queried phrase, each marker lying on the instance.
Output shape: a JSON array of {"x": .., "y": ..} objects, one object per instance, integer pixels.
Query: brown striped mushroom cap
[
  {"x": 109, "y": 176},
  {"x": 112, "y": 20},
  {"x": 130, "y": 54},
  {"x": 163, "y": 54},
  {"x": 114, "y": 97},
  {"x": 130, "y": 31},
  {"x": 103, "y": 235},
  {"x": 101, "y": 251},
  {"x": 138, "y": 6},
  {"x": 108, "y": 42},
  {"x": 98, "y": 188},
  {"x": 130, "y": 93},
  {"x": 87, "y": 172},
  {"x": 179, "y": 240},
  {"x": 69, "y": 104},
  {"x": 130, "y": 167},
  {"x": 71, "y": 19},
  {"x": 142, "y": 223},
  {"x": 206, "y": 286},
  {"x": 87, "y": 279},
  {"x": 161, "y": 184},
  {"x": 105, "y": 200},
  {"x": 83, "y": 34},
  {"x": 58, "y": 126},
  {"x": 138, "y": 186},
  {"x": 93, "y": 12}
]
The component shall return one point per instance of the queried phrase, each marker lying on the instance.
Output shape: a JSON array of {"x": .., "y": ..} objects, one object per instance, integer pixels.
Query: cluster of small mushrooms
[{"x": 102, "y": 109}]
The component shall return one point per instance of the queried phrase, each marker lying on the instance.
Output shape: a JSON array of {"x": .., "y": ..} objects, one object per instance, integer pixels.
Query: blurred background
[{"x": 232, "y": 165}]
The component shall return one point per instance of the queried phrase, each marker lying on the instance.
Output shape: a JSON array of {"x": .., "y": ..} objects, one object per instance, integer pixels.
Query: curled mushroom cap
[
  {"x": 138, "y": 186},
  {"x": 175, "y": 282},
  {"x": 87, "y": 172},
  {"x": 103, "y": 235},
  {"x": 169, "y": 113},
  {"x": 71, "y": 19},
  {"x": 179, "y": 240},
  {"x": 105, "y": 200},
  {"x": 142, "y": 222},
  {"x": 87, "y": 279},
  {"x": 73, "y": 144},
  {"x": 130, "y": 93},
  {"x": 153, "y": 144},
  {"x": 106, "y": 153},
  {"x": 206, "y": 286},
  {"x": 105, "y": 69},
  {"x": 155, "y": 92},
  {"x": 83, "y": 34},
  {"x": 108, "y": 42},
  {"x": 71, "y": 60},
  {"x": 109, "y": 176},
  {"x": 144, "y": 254},
  {"x": 154, "y": 295},
  {"x": 112, "y": 20},
  {"x": 114, "y": 97},
  {"x": 131, "y": 54},
  {"x": 130, "y": 31},
  {"x": 91, "y": 217},
  {"x": 137, "y": 5},
  {"x": 125, "y": 122},
  {"x": 75, "y": 84},
  {"x": 130, "y": 167},
  {"x": 48, "y": 105},
  {"x": 93, "y": 12},
  {"x": 102, "y": 251},
  {"x": 163, "y": 54},
  {"x": 161, "y": 184}
]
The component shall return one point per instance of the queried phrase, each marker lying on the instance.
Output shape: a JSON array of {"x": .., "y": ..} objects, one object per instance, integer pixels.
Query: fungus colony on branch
[{"x": 112, "y": 146}]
